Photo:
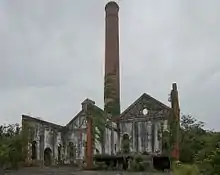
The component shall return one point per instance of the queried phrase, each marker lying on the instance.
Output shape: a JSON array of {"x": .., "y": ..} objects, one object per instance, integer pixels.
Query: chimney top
[
  {"x": 174, "y": 86},
  {"x": 88, "y": 101},
  {"x": 112, "y": 5}
]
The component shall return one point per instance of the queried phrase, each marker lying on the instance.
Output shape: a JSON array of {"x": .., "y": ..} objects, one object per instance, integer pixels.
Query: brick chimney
[{"x": 112, "y": 71}]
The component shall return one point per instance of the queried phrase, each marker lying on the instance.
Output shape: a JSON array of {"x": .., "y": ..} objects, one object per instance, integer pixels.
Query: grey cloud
[{"x": 52, "y": 55}]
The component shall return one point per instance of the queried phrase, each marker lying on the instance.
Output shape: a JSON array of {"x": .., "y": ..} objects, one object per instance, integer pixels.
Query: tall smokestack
[
  {"x": 112, "y": 72},
  {"x": 175, "y": 122}
]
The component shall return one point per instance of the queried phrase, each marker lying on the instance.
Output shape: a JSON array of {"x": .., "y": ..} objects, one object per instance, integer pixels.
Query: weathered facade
[
  {"x": 51, "y": 144},
  {"x": 143, "y": 122},
  {"x": 143, "y": 125},
  {"x": 44, "y": 141}
]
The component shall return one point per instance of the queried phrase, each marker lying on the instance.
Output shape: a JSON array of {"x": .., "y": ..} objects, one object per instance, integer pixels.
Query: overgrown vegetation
[
  {"x": 199, "y": 148},
  {"x": 139, "y": 164},
  {"x": 185, "y": 169},
  {"x": 99, "y": 123},
  {"x": 112, "y": 105},
  {"x": 11, "y": 144}
]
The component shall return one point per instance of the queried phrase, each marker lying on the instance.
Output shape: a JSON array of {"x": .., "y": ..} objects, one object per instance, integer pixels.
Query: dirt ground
[{"x": 69, "y": 171}]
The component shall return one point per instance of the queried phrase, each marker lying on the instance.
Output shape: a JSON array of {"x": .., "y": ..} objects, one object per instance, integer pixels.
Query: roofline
[
  {"x": 79, "y": 113},
  {"x": 136, "y": 101},
  {"x": 27, "y": 117},
  {"x": 74, "y": 118}
]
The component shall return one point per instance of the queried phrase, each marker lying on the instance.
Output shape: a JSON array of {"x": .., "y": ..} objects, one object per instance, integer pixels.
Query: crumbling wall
[
  {"x": 41, "y": 135},
  {"x": 111, "y": 139},
  {"x": 144, "y": 136},
  {"x": 143, "y": 121},
  {"x": 76, "y": 135}
]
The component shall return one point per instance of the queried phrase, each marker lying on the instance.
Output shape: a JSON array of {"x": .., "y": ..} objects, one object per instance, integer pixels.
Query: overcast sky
[{"x": 52, "y": 56}]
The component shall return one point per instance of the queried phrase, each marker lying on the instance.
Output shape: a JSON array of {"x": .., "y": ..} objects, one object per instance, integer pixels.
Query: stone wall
[
  {"x": 111, "y": 141},
  {"x": 41, "y": 135}
]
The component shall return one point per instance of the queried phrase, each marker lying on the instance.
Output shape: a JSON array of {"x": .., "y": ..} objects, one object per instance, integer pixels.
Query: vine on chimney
[{"x": 111, "y": 101}]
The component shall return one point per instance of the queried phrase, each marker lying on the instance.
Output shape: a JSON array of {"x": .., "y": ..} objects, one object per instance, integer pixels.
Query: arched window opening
[
  {"x": 47, "y": 157},
  {"x": 71, "y": 150},
  {"x": 125, "y": 143},
  {"x": 59, "y": 152},
  {"x": 34, "y": 150}
]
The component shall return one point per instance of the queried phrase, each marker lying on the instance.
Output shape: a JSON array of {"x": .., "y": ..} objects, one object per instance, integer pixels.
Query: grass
[{"x": 185, "y": 169}]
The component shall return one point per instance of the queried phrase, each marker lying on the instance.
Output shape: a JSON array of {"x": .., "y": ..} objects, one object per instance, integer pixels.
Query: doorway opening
[
  {"x": 47, "y": 157},
  {"x": 161, "y": 163},
  {"x": 59, "y": 153},
  {"x": 34, "y": 150},
  {"x": 125, "y": 143},
  {"x": 72, "y": 152}
]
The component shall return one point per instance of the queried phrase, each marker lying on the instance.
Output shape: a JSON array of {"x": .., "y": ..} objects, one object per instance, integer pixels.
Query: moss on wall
[{"x": 112, "y": 103}]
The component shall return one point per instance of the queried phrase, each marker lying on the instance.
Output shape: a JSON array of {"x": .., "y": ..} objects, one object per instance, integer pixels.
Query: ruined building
[{"x": 144, "y": 124}]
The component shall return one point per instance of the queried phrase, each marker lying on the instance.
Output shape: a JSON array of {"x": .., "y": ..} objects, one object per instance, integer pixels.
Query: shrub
[
  {"x": 138, "y": 164},
  {"x": 134, "y": 166},
  {"x": 100, "y": 166},
  {"x": 184, "y": 169},
  {"x": 138, "y": 158},
  {"x": 11, "y": 143},
  {"x": 215, "y": 161}
]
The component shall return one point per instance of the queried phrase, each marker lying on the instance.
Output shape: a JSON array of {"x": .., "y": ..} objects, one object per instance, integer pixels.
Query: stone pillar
[
  {"x": 139, "y": 137},
  {"x": 79, "y": 144},
  {"x": 89, "y": 151},
  {"x": 118, "y": 144},
  {"x": 149, "y": 135},
  {"x": 41, "y": 146},
  {"x": 175, "y": 122},
  {"x": 136, "y": 136},
  {"x": 156, "y": 146},
  {"x": 153, "y": 136},
  {"x": 160, "y": 136},
  {"x": 53, "y": 147},
  {"x": 145, "y": 137},
  {"x": 89, "y": 132},
  {"x": 112, "y": 139}
]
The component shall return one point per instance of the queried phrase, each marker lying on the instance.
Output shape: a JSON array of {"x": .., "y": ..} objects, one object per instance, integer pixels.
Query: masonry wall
[
  {"x": 111, "y": 147},
  {"x": 44, "y": 136},
  {"x": 144, "y": 136}
]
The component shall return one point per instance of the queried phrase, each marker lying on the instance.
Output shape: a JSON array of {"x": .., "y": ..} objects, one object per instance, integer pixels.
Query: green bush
[
  {"x": 11, "y": 144},
  {"x": 100, "y": 166},
  {"x": 134, "y": 166},
  {"x": 184, "y": 169},
  {"x": 205, "y": 167},
  {"x": 138, "y": 158},
  {"x": 138, "y": 164},
  {"x": 215, "y": 161}
]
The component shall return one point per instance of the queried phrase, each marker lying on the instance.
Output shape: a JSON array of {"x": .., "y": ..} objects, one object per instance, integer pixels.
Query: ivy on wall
[
  {"x": 173, "y": 128},
  {"x": 28, "y": 131},
  {"x": 98, "y": 124},
  {"x": 112, "y": 105},
  {"x": 125, "y": 144},
  {"x": 165, "y": 138},
  {"x": 166, "y": 142}
]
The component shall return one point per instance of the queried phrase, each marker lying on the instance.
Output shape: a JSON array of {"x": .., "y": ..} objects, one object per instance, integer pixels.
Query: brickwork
[{"x": 112, "y": 77}]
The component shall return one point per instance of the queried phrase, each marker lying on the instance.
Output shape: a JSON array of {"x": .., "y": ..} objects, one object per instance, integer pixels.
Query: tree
[
  {"x": 199, "y": 146},
  {"x": 215, "y": 161},
  {"x": 11, "y": 144},
  {"x": 190, "y": 138}
]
